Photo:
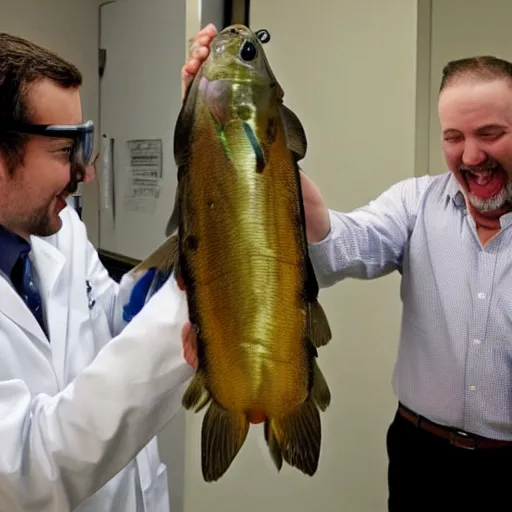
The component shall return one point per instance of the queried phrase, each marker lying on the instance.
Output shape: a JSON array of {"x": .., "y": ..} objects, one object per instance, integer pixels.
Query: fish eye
[{"x": 248, "y": 51}]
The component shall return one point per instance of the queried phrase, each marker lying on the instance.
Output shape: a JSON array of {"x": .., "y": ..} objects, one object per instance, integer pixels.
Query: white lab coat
[{"x": 75, "y": 414}]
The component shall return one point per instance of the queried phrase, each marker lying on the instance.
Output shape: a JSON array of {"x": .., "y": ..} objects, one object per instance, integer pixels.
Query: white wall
[
  {"x": 70, "y": 28},
  {"x": 349, "y": 72},
  {"x": 463, "y": 28}
]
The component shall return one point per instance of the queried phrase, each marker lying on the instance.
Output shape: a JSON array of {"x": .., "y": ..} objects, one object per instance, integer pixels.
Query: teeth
[
  {"x": 481, "y": 173},
  {"x": 482, "y": 179}
]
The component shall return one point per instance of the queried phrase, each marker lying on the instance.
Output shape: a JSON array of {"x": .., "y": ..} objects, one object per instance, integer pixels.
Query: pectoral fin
[
  {"x": 295, "y": 134},
  {"x": 164, "y": 258},
  {"x": 223, "y": 434}
]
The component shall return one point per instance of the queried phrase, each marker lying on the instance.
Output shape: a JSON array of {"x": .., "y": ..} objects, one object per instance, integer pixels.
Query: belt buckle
[{"x": 460, "y": 444}]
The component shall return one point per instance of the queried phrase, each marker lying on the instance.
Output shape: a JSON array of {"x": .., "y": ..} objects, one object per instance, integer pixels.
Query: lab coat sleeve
[
  {"x": 58, "y": 450},
  {"x": 369, "y": 242},
  {"x": 108, "y": 294}
]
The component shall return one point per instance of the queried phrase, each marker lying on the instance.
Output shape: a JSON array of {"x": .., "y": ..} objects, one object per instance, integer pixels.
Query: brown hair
[
  {"x": 484, "y": 67},
  {"x": 23, "y": 63}
]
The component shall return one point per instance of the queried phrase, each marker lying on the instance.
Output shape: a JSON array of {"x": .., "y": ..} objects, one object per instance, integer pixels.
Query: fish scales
[
  {"x": 245, "y": 227},
  {"x": 241, "y": 253}
]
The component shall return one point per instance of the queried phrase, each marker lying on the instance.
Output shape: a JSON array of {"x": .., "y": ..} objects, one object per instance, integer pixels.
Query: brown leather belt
[{"x": 456, "y": 437}]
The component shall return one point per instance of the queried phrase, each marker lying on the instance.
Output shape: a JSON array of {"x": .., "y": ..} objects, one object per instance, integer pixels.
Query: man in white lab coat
[{"x": 83, "y": 392}]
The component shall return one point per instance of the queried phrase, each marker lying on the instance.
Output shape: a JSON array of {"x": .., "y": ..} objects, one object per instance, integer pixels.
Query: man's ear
[{"x": 90, "y": 174}]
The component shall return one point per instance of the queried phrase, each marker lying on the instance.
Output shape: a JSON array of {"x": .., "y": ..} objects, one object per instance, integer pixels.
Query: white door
[{"x": 140, "y": 97}]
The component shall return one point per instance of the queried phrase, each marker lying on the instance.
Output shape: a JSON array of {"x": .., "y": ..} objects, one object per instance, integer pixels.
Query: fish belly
[{"x": 248, "y": 273}]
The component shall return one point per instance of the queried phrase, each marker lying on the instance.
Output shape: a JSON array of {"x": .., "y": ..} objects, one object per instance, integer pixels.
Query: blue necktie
[{"x": 28, "y": 290}]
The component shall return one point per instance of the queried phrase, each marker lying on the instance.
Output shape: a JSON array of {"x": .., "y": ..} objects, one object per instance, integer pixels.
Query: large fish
[{"x": 241, "y": 253}]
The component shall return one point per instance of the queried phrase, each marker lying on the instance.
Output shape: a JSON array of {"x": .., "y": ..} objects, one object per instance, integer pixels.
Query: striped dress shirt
[{"x": 454, "y": 362}]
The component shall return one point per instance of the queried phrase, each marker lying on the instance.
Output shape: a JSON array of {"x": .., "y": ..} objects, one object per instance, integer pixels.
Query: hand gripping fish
[{"x": 237, "y": 244}]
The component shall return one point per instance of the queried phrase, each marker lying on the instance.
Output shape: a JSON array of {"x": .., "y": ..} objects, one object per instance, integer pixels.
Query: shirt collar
[
  {"x": 454, "y": 194},
  {"x": 12, "y": 247}
]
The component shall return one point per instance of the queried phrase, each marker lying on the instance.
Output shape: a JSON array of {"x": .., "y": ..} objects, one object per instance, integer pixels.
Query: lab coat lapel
[
  {"x": 12, "y": 305},
  {"x": 49, "y": 263}
]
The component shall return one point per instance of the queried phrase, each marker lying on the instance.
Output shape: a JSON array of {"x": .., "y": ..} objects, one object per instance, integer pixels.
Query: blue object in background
[
  {"x": 138, "y": 295},
  {"x": 148, "y": 284},
  {"x": 159, "y": 280}
]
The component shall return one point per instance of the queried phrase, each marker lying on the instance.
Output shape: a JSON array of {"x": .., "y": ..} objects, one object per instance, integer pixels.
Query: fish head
[
  {"x": 236, "y": 76},
  {"x": 236, "y": 53},
  {"x": 235, "y": 81}
]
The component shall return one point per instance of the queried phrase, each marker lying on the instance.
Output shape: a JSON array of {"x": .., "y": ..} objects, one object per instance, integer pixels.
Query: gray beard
[{"x": 493, "y": 203}]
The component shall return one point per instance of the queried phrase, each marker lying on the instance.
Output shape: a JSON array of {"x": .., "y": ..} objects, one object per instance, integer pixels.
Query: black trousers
[{"x": 427, "y": 473}]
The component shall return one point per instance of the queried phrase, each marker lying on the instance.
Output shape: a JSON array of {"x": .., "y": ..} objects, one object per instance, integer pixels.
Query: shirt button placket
[{"x": 480, "y": 298}]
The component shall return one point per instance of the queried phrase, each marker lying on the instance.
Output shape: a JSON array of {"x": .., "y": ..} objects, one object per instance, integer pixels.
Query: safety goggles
[{"x": 81, "y": 134}]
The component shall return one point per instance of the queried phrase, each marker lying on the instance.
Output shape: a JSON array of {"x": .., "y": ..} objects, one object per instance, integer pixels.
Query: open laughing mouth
[
  {"x": 487, "y": 182},
  {"x": 62, "y": 200}
]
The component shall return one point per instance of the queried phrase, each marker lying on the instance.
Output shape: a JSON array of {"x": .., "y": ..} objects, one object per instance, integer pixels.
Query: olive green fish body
[{"x": 242, "y": 255}]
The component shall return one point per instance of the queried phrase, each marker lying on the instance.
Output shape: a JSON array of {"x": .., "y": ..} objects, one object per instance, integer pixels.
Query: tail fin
[
  {"x": 296, "y": 438},
  {"x": 223, "y": 434}
]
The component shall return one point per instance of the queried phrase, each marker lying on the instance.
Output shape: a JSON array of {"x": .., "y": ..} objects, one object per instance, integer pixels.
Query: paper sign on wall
[{"x": 144, "y": 174}]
